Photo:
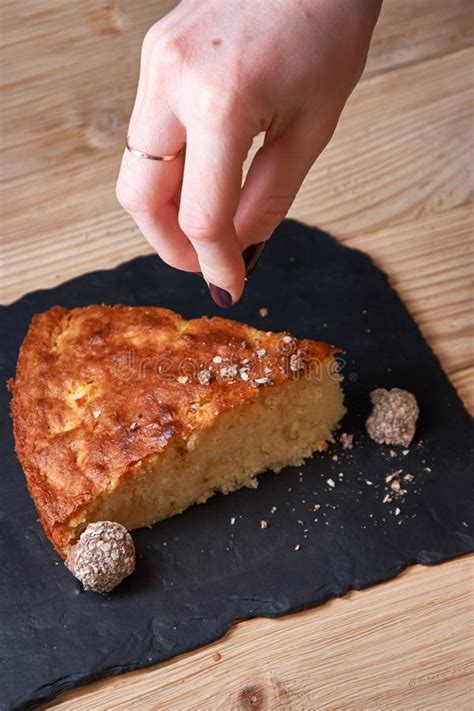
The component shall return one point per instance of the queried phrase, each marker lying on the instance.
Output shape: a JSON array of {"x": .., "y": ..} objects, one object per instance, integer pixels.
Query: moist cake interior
[{"x": 284, "y": 426}]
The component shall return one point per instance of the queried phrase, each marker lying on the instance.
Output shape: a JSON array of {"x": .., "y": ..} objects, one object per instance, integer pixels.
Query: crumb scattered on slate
[
  {"x": 346, "y": 440},
  {"x": 263, "y": 312},
  {"x": 392, "y": 487},
  {"x": 103, "y": 556},
  {"x": 393, "y": 418}
]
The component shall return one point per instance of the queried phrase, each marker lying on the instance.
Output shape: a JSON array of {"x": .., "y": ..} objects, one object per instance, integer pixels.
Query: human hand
[{"x": 214, "y": 74}]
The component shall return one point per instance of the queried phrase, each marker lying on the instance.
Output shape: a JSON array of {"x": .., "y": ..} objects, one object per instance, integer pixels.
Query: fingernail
[
  {"x": 220, "y": 296},
  {"x": 251, "y": 255}
]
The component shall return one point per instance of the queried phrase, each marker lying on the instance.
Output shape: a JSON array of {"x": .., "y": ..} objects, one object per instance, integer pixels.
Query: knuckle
[
  {"x": 150, "y": 38},
  {"x": 217, "y": 104},
  {"x": 275, "y": 208},
  {"x": 171, "y": 259},
  {"x": 168, "y": 49},
  {"x": 123, "y": 195},
  {"x": 134, "y": 202},
  {"x": 198, "y": 227}
]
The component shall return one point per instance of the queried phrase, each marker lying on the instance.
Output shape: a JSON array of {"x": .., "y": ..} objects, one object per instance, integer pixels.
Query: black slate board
[{"x": 197, "y": 573}]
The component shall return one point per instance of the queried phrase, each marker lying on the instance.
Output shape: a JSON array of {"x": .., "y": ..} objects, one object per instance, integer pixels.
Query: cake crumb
[
  {"x": 391, "y": 476},
  {"x": 397, "y": 511},
  {"x": 263, "y": 312},
  {"x": 263, "y": 523},
  {"x": 262, "y": 381},
  {"x": 393, "y": 418},
  {"x": 335, "y": 458},
  {"x": 409, "y": 477},
  {"x": 273, "y": 509},
  {"x": 232, "y": 520},
  {"x": 297, "y": 547},
  {"x": 393, "y": 453},
  {"x": 316, "y": 507},
  {"x": 229, "y": 371},
  {"x": 182, "y": 379},
  {"x": 346, "y": 440},
  {"x": 296, "y": 362},
  {"x": 204, "y": 377},
  {"x": 331, "y": 483}
]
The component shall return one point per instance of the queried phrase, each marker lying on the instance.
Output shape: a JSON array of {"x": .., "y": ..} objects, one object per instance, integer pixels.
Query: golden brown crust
[{"x": 99, "y": 389}]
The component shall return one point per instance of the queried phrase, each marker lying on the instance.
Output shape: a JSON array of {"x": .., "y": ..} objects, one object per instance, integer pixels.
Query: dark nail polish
[
  {"x": 251, "y": 255},
  {"x": 220, "y": 296}
]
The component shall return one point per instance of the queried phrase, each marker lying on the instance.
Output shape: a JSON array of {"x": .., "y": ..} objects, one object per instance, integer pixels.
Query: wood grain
[
  {"x": 396, "y": 181},
  {"x": 400, "y": 645},
  {"x": 410, "y": 32},
  {"x": 433, "y": 279}
]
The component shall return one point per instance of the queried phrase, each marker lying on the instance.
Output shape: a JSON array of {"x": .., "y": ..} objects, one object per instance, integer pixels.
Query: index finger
[{"x": 209, "y": 199}]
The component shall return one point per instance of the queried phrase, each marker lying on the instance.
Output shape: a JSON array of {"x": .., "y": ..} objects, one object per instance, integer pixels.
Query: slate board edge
[
  {"x": 425, "y": 558},
  {"x": 51, "y": 691}
]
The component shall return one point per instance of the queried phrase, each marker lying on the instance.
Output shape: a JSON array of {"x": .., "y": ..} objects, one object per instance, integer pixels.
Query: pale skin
[{"x": 214, "y": 74}]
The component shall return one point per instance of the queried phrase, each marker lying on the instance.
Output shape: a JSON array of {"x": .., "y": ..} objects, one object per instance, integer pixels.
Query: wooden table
[{"x": 397, "y": 182}]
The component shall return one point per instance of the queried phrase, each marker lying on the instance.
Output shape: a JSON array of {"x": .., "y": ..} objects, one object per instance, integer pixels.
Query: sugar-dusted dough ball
[{"x": 103, "y": 556}]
